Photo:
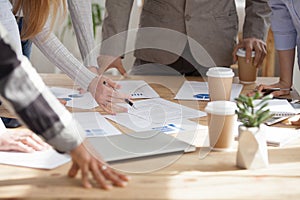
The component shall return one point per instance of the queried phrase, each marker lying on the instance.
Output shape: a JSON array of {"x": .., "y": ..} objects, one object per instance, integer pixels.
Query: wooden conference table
[{"x": 188, "y": 176}]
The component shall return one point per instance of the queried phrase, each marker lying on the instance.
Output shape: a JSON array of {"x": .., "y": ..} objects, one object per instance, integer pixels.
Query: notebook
[{"x": 137, "y": 145}]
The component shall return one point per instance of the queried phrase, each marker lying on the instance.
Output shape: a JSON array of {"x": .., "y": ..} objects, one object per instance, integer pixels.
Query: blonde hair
[{"x": 36, "y": 14}]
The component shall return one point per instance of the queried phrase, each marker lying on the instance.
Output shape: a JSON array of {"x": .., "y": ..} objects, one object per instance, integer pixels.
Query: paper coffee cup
[
  {"x": 221, "y": 123},
  {"x": 219, "y": 83},
  {"x": 247, "y": 71}
]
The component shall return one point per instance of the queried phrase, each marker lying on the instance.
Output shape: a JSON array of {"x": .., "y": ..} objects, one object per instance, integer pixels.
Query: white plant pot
[{"x": 252, "y": 149}]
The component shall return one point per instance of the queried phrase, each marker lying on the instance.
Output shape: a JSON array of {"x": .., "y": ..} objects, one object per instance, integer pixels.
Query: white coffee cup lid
[
  {"x": 221, "y": 107},
  {"x": 220, "y": 72},
  {"x": 242, "y": 53}
]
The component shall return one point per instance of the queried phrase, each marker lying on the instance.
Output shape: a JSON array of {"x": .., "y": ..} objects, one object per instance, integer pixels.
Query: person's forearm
[
  {"x": 286, "y": 63},
  {"x": 24, "y": 93},
  {"x": 81, "y": 16},
  {"x": 56, "y": 52},
  {"x": 116, "y": 21},
  {"x": 256, "y": 24}
]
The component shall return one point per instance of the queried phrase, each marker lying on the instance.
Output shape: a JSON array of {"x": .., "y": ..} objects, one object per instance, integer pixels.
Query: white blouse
[
  {"x": 8, "y": 20},
  {"x": 53, "y": 49}
]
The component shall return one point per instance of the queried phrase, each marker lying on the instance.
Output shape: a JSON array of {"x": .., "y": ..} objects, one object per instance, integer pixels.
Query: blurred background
[{"x": 66, "y": 34}]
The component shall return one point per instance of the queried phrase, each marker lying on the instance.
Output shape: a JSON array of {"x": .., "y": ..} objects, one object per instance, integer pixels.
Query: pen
[
  {"x": 270, "y": 90},
  {"x": 126, "y": 100}
]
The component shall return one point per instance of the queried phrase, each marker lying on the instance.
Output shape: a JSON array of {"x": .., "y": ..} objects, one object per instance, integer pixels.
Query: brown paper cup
[
  {"x": 247, "y": 71},
  {"x": 219, "y": 83},
  {"x": 221, "y": 123}
]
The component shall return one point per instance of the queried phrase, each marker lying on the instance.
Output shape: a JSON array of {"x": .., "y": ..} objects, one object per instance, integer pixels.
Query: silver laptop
[{"x": 138, "y": 145}]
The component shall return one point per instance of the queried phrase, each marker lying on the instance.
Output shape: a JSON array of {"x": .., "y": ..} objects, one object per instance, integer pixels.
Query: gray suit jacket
[{"x": 211, "y": 23}]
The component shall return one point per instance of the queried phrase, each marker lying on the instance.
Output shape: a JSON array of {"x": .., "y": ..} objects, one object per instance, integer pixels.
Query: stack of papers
[
  {"x": 137, "y": 89},
  {"x": 190, "y": 89}
]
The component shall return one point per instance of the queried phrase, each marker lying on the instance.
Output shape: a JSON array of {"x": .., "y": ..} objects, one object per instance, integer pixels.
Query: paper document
[
  {"x": 137, "y": 124},
  {"x": 48, "y": 159},
  {"x": 279, "y": 107},
  {"x": 160, "y": 110},
  {"x": 94, "y": 124},
  {"x": 276, "y": 136},
  {"x": 190, "y": 89},
  {"x": 157, "y": 114},
  {"x": 137, "y": 89},
  {"x": 74, "y": 98}
]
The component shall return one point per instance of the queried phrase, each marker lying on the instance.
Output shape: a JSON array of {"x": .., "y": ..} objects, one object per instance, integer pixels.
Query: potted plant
[{"x": 252, "y": 149}]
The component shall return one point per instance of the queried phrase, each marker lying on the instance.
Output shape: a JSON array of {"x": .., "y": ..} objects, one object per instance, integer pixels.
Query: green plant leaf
[{"x": 250, "y": 114}]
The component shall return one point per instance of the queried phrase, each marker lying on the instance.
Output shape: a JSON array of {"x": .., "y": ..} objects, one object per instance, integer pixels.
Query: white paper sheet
[
  {"x": 48, "y": 159},
  {"x": 95, "y": 125},
  {"x": 138, "y": 89},
  {"x": 137, "y": 124},
  {"x": 74, "y": 98},
  {"x": 279, "y": 107},
  {"x": 277, "y": 136},
  {"x": 156, "y": 113},
  {"x": 191, "y": 88},
  {"x": 159, "y": 110}
]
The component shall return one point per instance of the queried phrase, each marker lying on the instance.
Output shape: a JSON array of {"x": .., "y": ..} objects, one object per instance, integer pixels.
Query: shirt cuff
[
  {"x": 85, "y": 77},
  {"x": 69, "y": 138},
  {"x": 285, "y": 41}
]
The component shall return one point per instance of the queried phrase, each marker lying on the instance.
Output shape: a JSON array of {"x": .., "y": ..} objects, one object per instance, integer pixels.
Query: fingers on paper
[
  {"x": 73, "y": 170},
  {"x": 32, "y": 140},
  {"x": 20, "y": 146}
]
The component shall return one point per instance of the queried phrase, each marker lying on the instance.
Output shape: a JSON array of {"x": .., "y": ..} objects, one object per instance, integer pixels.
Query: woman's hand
[
  {"x": 106, "y": 62},
  {"x": 105, "y": 176},
  {"x": 280, "y": 84},
  {"x": 22, "y": 140},
  {"x": 104, "y": 91},
  {"x": 252, "y": 44}
]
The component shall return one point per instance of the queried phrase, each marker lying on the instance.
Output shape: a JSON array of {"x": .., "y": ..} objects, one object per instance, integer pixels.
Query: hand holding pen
[
  {"x": 106, "y": 95},
  {"x": 276, "y": 89},
  {"x": 126, "y": 100}
]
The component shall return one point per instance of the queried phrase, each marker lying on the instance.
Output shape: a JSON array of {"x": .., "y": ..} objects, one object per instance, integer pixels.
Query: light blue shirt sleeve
[{"x": 285, "y": 34}]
